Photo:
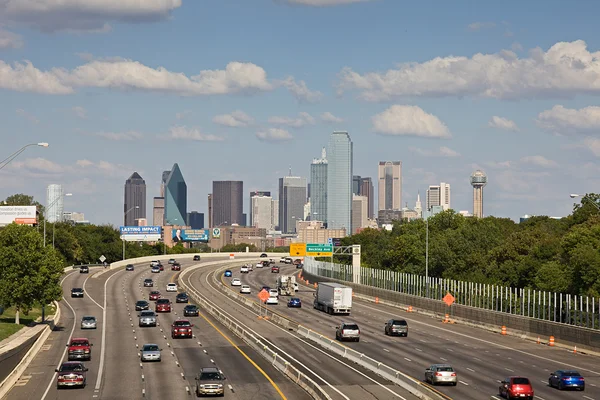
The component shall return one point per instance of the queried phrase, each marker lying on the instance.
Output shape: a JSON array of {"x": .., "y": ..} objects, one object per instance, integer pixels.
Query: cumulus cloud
[
  {"x": 42, "y": 167},
  {"x": 330, "y": 118},
  {"x": 477, "y": 26},
  {"x": 303, "y": 119},
  {"x": 185, "y": 133},
  {"x": 79, "y": 112},
  {"x": 30, "y": 117},
  {"x": 539, "y": 161},
  {"x": 325, "y": 3},
  {"x": 84, "y": 16},
  {"x": 24, "y": 77},
  {"x": 120, "y": 136},
  {"x": 503, "y": 123},
  {"x": 566, "y": 69},
  {"x": 274, "y": 135},
  {"x": 10, "y": 40},
  {"x": 300, "y": 91},
  {"x": 235, "y": 119},
  {"x": 401, "y": 120},
  {"x": 569, "y": 121},
  {"x": 441, "y": 152}
]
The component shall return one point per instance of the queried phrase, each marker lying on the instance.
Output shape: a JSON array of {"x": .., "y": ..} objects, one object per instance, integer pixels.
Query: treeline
[{"x": 558, "y": 255}]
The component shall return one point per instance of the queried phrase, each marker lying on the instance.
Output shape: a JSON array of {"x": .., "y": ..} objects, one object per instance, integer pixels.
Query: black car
[
  {"x": 148, "y": 282},
  {"x": 264, "y": 255},
  {"x": 129, "y": 267},
  {"x": 196, "y": 257},
  {"x": 182, "y": 298},
  {"x": 191, "y": 310},
  {"x": 84, "y": 269},
  {"x": 142, "y": 305},
  {"x": 77, "y": 292}
]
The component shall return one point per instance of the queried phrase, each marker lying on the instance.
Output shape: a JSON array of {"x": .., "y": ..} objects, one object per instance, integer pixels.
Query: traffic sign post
[
  {"x": 263, "y": 295},
  {"x": 319, "y": 250},
  {"x": 298, "y": 249}
]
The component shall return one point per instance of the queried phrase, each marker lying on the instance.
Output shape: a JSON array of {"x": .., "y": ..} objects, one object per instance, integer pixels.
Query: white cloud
[
  {"x": 539, "y": 161},
  {"x": 568, "y": 121},
  {"x": 32, "y": 118},
  {"x": 440, "y": 152},
  {"x": 404, "y": 120},
  {"x": 498, "y": 164},
  {"x": 235, "y": 119},
  {"x": 26, "y": 78},
  {"x": 80, "y": 112},
  {"x": 325, "y": 3},
  {"x": 120, "y": 136},
  {"x": 566, "y": 69},
  {"x": 503, "y": 123},
  {"x": 300, "y": 91},
  {"x": 10, "y": 40},
  {"x": 84, "y": 16},
  {"x": 330, "y": 118},
  {"x": 303, "y": 119},
  {"x": 274, "y": 135},
  {"x": 185, "y": 133},
  {"x": 477, "y": 26}
]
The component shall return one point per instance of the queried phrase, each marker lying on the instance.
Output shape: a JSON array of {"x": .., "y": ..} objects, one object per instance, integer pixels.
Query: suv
[
  {"x": 71, "y": 373},
  {"x": 396, "y": 327},
  {"x": 84, "y": 269},
  {"x": 147, "y": 318},
  {"x": 148, "y": 282},
  {"x": 181, "y": 328},
  {"x": 210, "y": 381},
  {"x": 163, "y": 305},
  {"x": 77, "y": 292},
  {"x": 516, "y": 386},
  {"x": 191, "y": 310},
  {"x": 79, "y": 349},
  {"x": 347, "y": 331}
]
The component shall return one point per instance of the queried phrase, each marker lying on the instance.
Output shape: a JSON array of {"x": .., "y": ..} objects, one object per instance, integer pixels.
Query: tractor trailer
[{"x": 333, "y": 298}]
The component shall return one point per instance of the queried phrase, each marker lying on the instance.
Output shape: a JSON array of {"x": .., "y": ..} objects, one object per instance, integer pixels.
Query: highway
[
  {"x": 249, "y": 376},
  {"x": 340, "y": 378},
  {"x": 482, "y": 359}
]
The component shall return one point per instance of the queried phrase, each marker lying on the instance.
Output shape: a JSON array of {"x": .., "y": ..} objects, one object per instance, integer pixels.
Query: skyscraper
[
  {"x": 356, "y": 184},
  {"x": 445, "y": 195},
  {"x": 339, "y": 181},
  {"x": 195, "y": 220},
  {"x": 255, "y": 193},
  {"x": 478, "y": 181},
  {"x": 390, "y": 185},
  {"x": 275, "y": 213},
  {"x": 359, "y": 212},
  {"x": 438, "y": 195},
  {"x": 158, "y": 211},
  {"x": 318, "y": 180},
  {"x": 367, "y": 190},
  {"x": 292, "y": 197},
  {"x": 54, "y": 203},
  {"x": 134, "y": 204},
  {"x": 228, "y": 203},
  {"x": 262, "y": 215},
  {"x": 175, "y": 190}
]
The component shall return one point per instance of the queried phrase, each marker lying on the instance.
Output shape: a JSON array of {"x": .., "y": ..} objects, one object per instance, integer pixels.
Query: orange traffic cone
[{"x": 575, "y": 350}]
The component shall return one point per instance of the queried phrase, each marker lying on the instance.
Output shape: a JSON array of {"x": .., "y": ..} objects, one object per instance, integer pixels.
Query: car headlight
[
  {"x": 220, "y": 386},
  {"x": 201, "y": 386}
]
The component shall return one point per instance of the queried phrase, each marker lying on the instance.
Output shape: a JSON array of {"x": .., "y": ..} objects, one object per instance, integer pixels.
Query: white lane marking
[
  {"x": 88, "y": 295},
  {"x": 587, "y": 397},
  {"x": 464, "y": 383},
  {"x": 407, "y": 359},
  {"x": 417, "y": 349},
  {"x": 386, "y": 350},
  {"x": 443, "y": 359},
  {"x": 470, "y": 369},
  {"x": 509, "y": 370}
]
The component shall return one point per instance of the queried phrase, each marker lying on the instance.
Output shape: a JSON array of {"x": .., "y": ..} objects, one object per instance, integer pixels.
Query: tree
[{"x": 29, "y": 272}]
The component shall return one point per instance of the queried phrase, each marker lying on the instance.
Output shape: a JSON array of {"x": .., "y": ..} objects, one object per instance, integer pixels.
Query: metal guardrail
[{"x": 315, "y": 390}]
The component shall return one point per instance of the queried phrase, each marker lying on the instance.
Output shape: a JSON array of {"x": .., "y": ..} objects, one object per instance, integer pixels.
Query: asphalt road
[
  {"x": 249, "y": 376},
  {"x": 482, "y": 358},
  {"x": 340, "y": 379}
]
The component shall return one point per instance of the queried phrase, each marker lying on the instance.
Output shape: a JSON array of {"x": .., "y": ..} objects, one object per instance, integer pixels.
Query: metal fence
[{"x": 582, "y": 311}]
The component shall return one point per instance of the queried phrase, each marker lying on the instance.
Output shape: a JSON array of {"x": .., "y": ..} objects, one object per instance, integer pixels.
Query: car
[
  {"x": 227, "y": 273},
  {"x": 516, "y": 387},
  {"x": 147, "y": 318},
  {"x": 172, "y": 261},
  {"x": 171, "y": 287},
  {"x": 273, "y": 293},
  {"x": 163, "y": 305},
  {"x": 196, "y": 258},
  {"x": 150, "y": 352},
  {"x": 275, "y": 269},
  {"x": 441, "y": 373},
  {"x": 77, "y": 292},
  {"x": 236, "y": 282},
  {"x": 155, "y": 270},
  {"x": 265, "y": 264},
  {"x": 563, "y": 379},
  {"x": 148, "y": 282},
  {"x": 160, "y": 266},
  {"x": 250, "y": 267},
  {"x": 129, "y": 267},
  {"x": 347, "y": 331},
  {"x": 244, "y": 269},
  {"x": 272, "y": 300},
  {"x": 181, "y": 328},
  {"x": 143, "y": 304},
  {"x": 271, "y": 261},
  {"x": 71, "y": 373},
  {"x": 266, "y": 288},
  {"x": 154, "y": 295},
  {"x": 176, "y": 267},
  {"x": 245, "y": 289},
  {"x": 259, "y": 264},
  {"x": 396, "y": 327},
  {"x": 88, "y": 322},
  {"x": 154, "y": 263},
  {"x": 288, "y": 260},
  {"x": 191, "y": 310},
  {"x": 294, "y": 302},
  {"x": 79, "y": 349},
  {"x": 264, "y": 255},
  {"x": 84, "y": 269},
  {"x": 297, "y": 261},
  {"x": 182, "y": 298},
  {"x": 210, "y": 381},
  {"x": 299, "y": 265},
  {"x": 282, "y": 260}
]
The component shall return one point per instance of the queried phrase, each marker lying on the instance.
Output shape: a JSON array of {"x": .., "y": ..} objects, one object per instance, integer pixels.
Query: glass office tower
[
  {"x": 175, "y": 198},
  {"x": 339, "y": 182}
]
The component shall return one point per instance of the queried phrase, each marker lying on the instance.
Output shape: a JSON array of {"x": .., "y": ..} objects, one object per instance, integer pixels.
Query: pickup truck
[{"x": 79, "y": 349}]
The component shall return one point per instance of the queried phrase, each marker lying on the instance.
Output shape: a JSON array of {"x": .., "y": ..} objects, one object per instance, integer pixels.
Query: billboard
[
  {"x": 140, "y": 233},
  {"x": 18, "y": 214},
  {"x": 190, "y": 235}
]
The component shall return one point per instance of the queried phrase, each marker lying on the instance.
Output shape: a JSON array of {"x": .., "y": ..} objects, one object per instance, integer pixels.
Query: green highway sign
[{"x": 319, "y": 250}]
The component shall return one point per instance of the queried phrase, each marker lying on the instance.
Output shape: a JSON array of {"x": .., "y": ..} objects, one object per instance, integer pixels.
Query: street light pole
[
  {"x": 127, "y": 212},
  {"x": 573, "y": 195},
  {"x": 427, "y": 256},
  {"x": 46, "y": 215},
  {"x": 14, "y": 155}
]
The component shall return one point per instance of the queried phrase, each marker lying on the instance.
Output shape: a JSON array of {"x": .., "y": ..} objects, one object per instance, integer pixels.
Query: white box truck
[{"x": 333, "y": 298}]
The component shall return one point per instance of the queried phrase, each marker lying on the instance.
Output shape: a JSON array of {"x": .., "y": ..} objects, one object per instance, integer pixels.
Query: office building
[
  {"x": 262, "y": 213},
  {"x": 158, "y": 211},
  {"x": 195, "y": 220},
  {"x": 432, "y": 196},
  {"x": 339, "y": 181},
  {"x": 292, "y": 197},
  {"x": 439, "y": 195},
  {"x": 367, "y": 190},
  {"x": 73, "y": 216},
  {"x": 390, "y": 185},
  {"x": 478, "y": 181},
  {"x": 228, "y": 203},
  {"x": 275, "y": 213},
  {"x": 175, "y": 190},
  {"x": 134, "y": 204},
  {"x": 210, "y": 211},
  {"x": 356, "y": 184},
  {"x": 255, "y": 193},
  {"x": 318, "y": 180},
  {"x": 360, "y": 205},
  {"x": 55, "y": 197},
  {"x": 316, "y": 232}
]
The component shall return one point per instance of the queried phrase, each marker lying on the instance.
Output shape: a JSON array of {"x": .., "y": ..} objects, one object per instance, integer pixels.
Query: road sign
[
  {"x": 263, "y": 295},
  {"x": 102, "y": 258},
  {"x": 448, "y": 299},
  {"x": 319, "y": 250},
  {"x": 298, "y": 249},
  {"x": 330, "y": 240}
]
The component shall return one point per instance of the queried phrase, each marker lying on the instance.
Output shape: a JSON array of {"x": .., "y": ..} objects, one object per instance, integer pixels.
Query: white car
[
  {"x": 171, "y": 287},
  {"x": 244, "y": 269},
  {"x": 236, "y": 282},
  {"x": 282, "y": 260},
  {"x": 245, "y": 289},
  {"x": 259, "y": 265},
  {"x": 273, "y": 293},
  {"x": 250, "y": 267},
  {"x": 272, "y": 300},
  {"x": 154, "y": 263}
]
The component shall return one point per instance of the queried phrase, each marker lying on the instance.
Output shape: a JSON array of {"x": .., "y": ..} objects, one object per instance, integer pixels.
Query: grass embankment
[{"x": 7, "y": 320}]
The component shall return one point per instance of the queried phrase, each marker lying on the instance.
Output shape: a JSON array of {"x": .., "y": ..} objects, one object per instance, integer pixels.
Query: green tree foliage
[{"x": 239, "y": 247}]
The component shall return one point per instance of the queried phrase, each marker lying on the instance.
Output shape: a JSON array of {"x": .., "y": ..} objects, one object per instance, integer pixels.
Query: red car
[
  {"x": 516, "y": 387},
  {"x": 79, "y": 349},
  {"x": 182, "y": 328},
  {"x": 71, "y": 373},
  {"x": 162, "y": 268},
  {"x": 154, "y": 295},
  {"x": 176, "y": 267},
  {"x": 163, "y": 305},
  {"x": 274, "y": 269}
]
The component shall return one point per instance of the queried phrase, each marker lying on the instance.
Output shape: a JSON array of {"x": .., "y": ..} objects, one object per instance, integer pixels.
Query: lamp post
[
  {"x": 127, "y": 212},
  {"x": 14, "y": 155},
  {"x": 427, "y": 256},
  {"x": 45, "y": 217},
  {"x": 574, "y": 195}
]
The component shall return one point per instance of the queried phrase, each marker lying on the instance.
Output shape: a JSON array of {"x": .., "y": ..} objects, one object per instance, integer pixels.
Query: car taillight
[
  {"x": 453, "y": 374},
  {"x": 438, "y": 374}
]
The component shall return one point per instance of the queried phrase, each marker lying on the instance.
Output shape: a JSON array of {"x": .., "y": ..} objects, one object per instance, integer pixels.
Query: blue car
[
  {"x": 563, "y": 379},
  {"x": 227, "y": 273},
  {"x": 295, "y": 302}
]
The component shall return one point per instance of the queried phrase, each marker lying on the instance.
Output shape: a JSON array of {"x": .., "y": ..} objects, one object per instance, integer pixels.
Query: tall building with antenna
[{"x": 478, "y": 181}]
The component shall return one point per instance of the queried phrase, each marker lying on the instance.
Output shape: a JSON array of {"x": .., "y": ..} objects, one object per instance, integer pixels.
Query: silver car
[
  {"x": 147, "y": 318},
  {"x": 88, "y": 322},
  {"x": 440, "y": 373},
  {"x": 150, "y": 352}
]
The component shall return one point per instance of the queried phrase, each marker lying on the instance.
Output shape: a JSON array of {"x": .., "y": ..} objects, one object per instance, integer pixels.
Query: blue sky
[{"x": 245, "y": 89}]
